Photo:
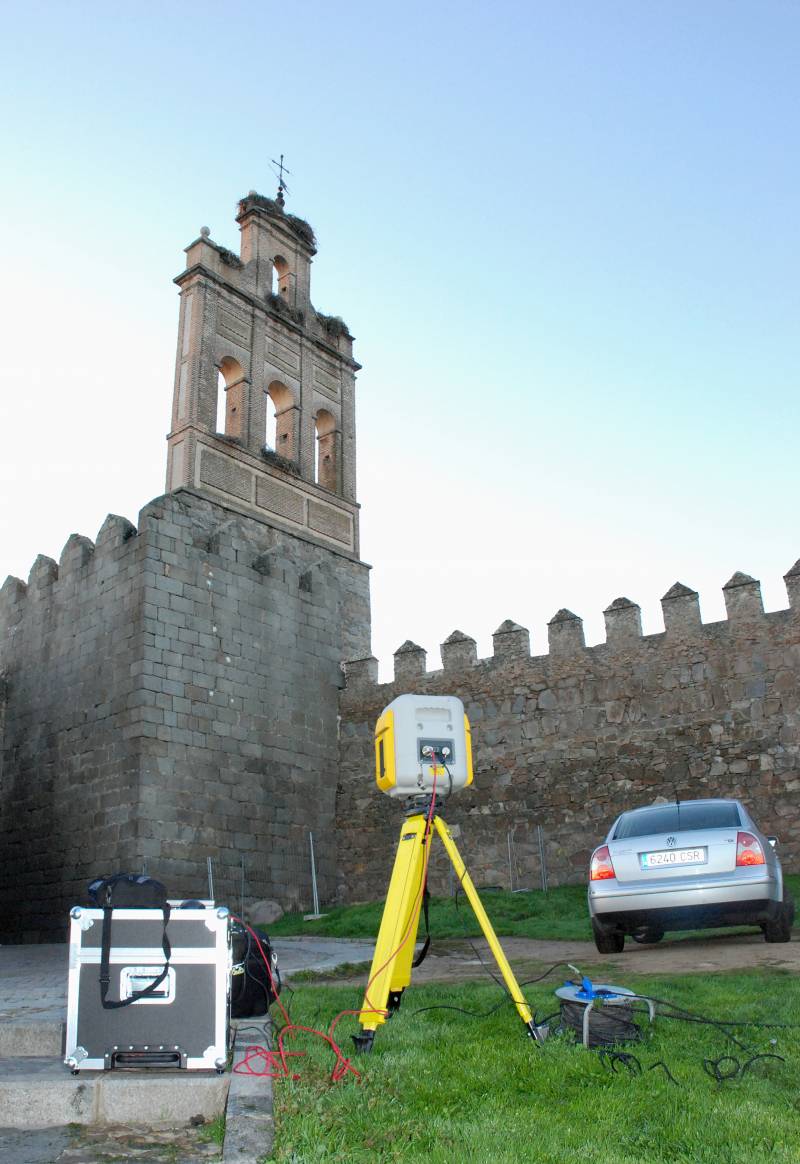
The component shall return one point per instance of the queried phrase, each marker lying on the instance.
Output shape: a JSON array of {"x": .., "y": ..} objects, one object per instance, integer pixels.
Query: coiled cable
[{"x": 608, "y": 1025}]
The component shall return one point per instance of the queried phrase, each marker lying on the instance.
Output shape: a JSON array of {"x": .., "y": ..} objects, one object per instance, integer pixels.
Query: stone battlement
[
  {"x": 567, "y": 740},
  {"x": 143, "y": 717},
  {"x": 623, "y": 621}
]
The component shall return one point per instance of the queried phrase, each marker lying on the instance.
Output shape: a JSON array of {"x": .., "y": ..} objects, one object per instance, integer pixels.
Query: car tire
[
  {"x": 647, "y": 935},
  {"x": 780, "y": 929},
  {"x": 608, "y": 941}
]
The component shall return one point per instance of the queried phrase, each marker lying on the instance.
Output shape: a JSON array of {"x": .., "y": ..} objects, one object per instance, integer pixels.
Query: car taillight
[
  {"x": 601, "y": 866},
  {"x": 748, "y": 850}
]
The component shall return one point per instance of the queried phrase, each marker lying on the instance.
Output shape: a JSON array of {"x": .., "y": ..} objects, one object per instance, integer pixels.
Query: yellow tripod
[{"x": 394, "y": 950}]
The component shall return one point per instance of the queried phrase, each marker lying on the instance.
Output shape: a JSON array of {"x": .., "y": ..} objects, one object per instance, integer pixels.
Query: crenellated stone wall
[
  {"x": 170, "y": 693},
  {"x": 569, "y": 739}
]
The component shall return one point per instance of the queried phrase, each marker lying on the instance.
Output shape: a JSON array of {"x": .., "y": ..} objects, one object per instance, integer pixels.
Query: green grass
[
  {"x": 442, "y": 1086},
  {"x": 558, "y": 914},
  {"x": 214, "y": 1130}
]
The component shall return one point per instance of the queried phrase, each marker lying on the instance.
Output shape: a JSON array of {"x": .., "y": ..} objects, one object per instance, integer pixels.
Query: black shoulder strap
[
  {"x": 420, "y": 958},
  {"x": 105, "y": 969}
]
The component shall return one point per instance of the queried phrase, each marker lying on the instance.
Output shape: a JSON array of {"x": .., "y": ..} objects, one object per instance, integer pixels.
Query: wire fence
[
  {"x": 300, "y": 878},
  {"x": 527, "y": 860}
]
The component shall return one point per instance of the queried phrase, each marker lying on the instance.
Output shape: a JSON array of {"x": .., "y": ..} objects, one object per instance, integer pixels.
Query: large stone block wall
[
  {"x": 569, "y": 739},
  {"x": 69, "y": 647},
  {"x": 170, "y": 694}
]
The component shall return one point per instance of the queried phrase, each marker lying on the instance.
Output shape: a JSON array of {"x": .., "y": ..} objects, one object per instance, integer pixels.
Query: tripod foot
[
  {"x": 538, "y": 1034},
  {"x": 363, "y": 1042}
]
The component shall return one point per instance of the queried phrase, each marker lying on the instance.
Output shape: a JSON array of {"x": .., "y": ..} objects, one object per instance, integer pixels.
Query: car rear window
[{"x": 671, "y": 818}]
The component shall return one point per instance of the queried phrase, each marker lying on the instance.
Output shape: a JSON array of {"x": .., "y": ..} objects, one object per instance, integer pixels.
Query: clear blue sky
[{"x": 564, "y": 234}]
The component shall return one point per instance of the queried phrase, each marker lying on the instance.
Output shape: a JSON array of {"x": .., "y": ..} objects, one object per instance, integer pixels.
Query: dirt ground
[{"x": 459, "y": 960}]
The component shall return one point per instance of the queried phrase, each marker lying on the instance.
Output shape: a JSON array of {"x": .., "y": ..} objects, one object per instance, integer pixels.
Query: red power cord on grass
[
  {"x": 265, "y": 1063},
  {"x": 274, "y": 1064}
]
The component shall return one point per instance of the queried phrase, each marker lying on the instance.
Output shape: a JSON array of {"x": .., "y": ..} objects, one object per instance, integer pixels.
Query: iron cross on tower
[{"x": 281, "y": 184}]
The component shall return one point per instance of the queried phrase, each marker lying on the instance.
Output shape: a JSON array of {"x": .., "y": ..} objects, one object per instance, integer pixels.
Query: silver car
[{"x": 690, "y": 865}]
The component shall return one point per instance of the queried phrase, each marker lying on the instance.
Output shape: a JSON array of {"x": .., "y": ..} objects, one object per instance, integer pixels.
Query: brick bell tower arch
[
  {"x": 248, "y": 330},
  {"x": 261, "y": 461}
]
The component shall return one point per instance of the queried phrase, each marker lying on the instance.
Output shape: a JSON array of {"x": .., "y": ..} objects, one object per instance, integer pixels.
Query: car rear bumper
[
  {"x": 749, "y": 901},
  {"x": 692, "y": 917}
]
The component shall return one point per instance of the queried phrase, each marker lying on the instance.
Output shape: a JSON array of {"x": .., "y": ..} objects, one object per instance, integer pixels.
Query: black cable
[
  {"x": 660, "y": 1063},
  {"x": 469, "y": 941},
  {"x": 688, "y": 1016},
  {"x": 722, "y": 1069},
  {"x": 616, "y": 1061},
  {"x": 449, "y": 777},
  {"x": 507, "y": 1001},
  {"x": 755, "y": 1058}
]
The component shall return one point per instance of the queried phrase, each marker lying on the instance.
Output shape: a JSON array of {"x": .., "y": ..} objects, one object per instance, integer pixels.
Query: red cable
[
  {"x": 275, "y": 1065},
  {"x": 275, "y": 1061},
  {"x": 412, "y": 923}
]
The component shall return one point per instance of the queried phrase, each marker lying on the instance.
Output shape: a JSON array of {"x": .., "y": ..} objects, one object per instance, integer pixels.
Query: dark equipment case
[{"x": 183, "y": 1024}]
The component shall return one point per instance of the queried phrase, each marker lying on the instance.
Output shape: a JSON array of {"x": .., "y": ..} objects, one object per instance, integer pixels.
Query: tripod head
[{"x": 423, "y": 742}]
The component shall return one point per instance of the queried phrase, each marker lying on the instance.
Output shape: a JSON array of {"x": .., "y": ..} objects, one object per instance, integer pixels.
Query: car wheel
[
  {"x": 608, "y": 941},
  {"x": 780, "y": 929},
  {"x": 647, "y": 934}
]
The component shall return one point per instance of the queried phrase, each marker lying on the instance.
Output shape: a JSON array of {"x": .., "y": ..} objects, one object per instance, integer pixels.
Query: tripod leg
[
  {"x": 488, "y": 931},
  {"x": 394, "y": 949}
]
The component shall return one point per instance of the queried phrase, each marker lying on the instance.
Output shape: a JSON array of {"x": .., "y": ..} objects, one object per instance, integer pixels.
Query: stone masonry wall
[
  {"x": 570, "y": 739},
  {"x": 68, "y": 764},
  {"x": 170, "y": 694}
]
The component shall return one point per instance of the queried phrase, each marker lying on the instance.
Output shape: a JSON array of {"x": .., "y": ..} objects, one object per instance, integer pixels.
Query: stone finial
[
  {"x": 409, "y": 662},
  {"x": 511, "y": 641},
  {"x": 792, "y": 580},
  {"x": 742, "y": 597},
  {"x": 360, "y": 672},
  {"x": 13, "y": 591},
  {"x": 565, "y": 633},
  {"x": 77, "y": 552},
  {"x": 12, "y": 597},
  {"x": 205, "y": 232},
  {"x": 681, "y": 609},
  {"x": 114, "y": 531},
  {"x": 458, "y": 650},
  {"x": 44, "y": 572},
  {"x": 623, "y": 622}
]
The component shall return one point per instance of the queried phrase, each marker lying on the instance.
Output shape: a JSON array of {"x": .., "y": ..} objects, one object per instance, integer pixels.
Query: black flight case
[{"x": 183, "y": 1024}]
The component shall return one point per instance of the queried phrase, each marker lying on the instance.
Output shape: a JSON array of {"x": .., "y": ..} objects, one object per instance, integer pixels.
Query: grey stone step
[
  {"x": 33, "y": 1038},
  {"x": 43, "y": 1093}
]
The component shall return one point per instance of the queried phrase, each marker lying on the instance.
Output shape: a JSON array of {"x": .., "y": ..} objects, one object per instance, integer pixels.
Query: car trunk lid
[{"x": 658, "y": 857}]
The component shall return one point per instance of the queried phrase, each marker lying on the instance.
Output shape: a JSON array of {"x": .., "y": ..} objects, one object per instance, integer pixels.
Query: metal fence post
[
  {"x": 314, "y": 893},
  {"x": 542, "y": 857}
]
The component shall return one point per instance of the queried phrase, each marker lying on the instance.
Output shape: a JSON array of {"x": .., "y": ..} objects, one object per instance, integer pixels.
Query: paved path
[
  {"x": 714, "y": 951},
  {"x": 33, "y": 979}
]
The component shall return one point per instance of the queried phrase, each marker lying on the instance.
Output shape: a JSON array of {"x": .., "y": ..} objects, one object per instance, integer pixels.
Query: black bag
[
  {"x": 128, "y": 891},
  {"x": 253, "y": 987}
]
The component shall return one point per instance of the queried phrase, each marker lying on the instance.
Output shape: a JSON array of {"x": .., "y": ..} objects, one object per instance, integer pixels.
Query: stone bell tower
[
  {"x": 169, "y": 693},
  {"x": 248, "y": 333}
]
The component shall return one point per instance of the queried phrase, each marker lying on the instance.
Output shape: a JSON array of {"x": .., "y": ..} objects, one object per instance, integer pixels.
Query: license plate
[{"x": 668, "y": 857}]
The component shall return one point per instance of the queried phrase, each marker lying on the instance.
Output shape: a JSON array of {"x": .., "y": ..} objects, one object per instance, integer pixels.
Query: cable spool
[
  {"x": 606, "y": 1027},
  {"x": 601, "y": 1015}
]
